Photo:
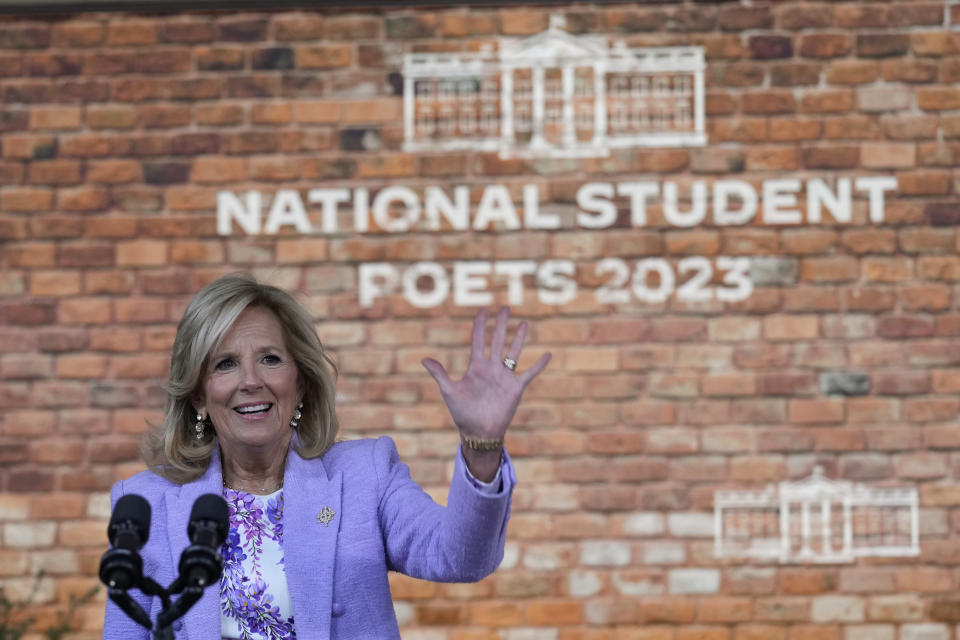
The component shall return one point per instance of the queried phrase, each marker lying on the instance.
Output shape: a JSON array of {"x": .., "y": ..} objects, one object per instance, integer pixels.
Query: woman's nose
[{"x": 250, "y": 377}]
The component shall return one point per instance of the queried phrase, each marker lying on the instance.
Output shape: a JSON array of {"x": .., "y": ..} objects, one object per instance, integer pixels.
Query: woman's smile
[{"x": 254, "y": 411}]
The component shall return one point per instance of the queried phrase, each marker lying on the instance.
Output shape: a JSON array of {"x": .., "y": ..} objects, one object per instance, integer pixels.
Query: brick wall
[{"x": 117, "y": 132}]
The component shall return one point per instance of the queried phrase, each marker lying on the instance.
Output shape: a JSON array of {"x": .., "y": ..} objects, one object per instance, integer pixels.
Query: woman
[{"x": 315, "y": 524}]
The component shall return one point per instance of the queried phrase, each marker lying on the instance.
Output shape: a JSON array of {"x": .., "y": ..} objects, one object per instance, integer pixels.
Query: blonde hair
[{"x": 171, "y": 448}]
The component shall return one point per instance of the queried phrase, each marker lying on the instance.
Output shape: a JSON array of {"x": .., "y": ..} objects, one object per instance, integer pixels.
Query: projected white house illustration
[
  {"x": 554, "y": 95},
  {"x": 816, "y": 520}
]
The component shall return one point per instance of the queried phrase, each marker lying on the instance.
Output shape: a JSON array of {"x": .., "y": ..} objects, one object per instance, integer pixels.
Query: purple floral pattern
[{"x": 244, "y": 594}]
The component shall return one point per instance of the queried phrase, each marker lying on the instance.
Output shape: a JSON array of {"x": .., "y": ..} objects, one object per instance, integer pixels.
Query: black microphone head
[
  {"x": 210, "y": 509},
  {"x": 132, "y": 512}
]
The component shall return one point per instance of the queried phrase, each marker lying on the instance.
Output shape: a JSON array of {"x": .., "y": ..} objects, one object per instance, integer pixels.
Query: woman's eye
[
  {"x": 271, "y": 359},
  {"x": 224, "y": 365}
]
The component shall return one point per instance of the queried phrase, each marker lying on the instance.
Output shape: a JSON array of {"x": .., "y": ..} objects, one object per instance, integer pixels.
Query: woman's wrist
[{"x": 482, "y": 463}]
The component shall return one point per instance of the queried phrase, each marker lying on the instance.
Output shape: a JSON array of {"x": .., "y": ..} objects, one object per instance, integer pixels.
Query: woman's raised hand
[{"x": 483, "y": 402}]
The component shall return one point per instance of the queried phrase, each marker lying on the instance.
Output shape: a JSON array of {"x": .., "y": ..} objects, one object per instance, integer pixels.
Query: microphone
[
  {"x": 121, "y": 566},
  {"x": 201, "y": 563}
]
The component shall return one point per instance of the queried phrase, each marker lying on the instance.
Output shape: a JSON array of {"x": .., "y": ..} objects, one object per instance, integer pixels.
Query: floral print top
[{"x": 254, "y": 601}]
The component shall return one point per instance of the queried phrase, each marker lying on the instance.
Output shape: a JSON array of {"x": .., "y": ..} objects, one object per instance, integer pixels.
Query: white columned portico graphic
[
  {"x": 817, "y": 520},
  {"x": 554, "y": 95}
]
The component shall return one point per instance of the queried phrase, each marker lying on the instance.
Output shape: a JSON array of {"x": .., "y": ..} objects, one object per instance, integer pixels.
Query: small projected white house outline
[{"x": 817, "y": 520}]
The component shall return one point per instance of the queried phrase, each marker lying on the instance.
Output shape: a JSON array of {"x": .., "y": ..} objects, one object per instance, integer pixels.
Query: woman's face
[{"x": 250, "y": 387}]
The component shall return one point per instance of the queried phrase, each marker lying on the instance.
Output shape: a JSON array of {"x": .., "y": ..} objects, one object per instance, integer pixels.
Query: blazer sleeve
[
  {"x": 116, "y": 624},
  {"x": 461, "y": 542}
]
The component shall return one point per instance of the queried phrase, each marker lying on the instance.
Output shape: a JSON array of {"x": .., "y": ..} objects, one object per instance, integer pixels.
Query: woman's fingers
[
  {"x": 533, "y": 371},
  {"x": 438, "y": 373},
  {"x": 517, "y": 345},
  {"x": 499, "y": 335},
  {"x": 479, "y": 338}
]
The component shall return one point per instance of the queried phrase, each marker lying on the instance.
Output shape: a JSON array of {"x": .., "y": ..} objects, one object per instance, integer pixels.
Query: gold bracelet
[{"x": 482, "y": 445}]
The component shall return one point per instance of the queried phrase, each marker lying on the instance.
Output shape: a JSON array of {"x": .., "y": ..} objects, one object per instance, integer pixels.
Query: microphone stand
[{"x": 170, "y": 611}]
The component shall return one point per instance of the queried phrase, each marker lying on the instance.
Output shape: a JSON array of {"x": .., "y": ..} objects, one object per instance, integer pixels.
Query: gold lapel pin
[{"x": 326, "y": 515}]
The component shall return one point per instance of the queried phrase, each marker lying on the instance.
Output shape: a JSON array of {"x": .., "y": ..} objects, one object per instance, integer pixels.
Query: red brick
[
  {"x": 905, "y": 326},
  {"x": 30, "y": 480},
  {"x": 110, "y": 227},
  {"x": 909, "y": 70},
  {"x": 298, "y": 26},
  {"x": 816, "y": 411},
  {"x": 931, "y": 297},
  {"x": 679, "y": 330},
  {"x": 27, "y": 313},
  {"x": 84, "y": 311},
  {"x": 26, "y": 146},
  {"x": 887, "y": 269},
  {"x": 790, "y": 327},
  {"x": 54, "y": 283},
  {"x": 933, "y": 43},
  {"x": 772, "y": 159},
  {"x": 769, "y": 102},
  {"x": 852, "y": 72},
  {"x": 674, "y": 610},
  {"x": 924, "y": 183},
  {"x": 831, "y": 157},
  {"x": 271, "y": 113},
  {"x": 938, "y": 98},
  {"x": 189, "y": 198},
  {"x": 839, "y": 269},
  {"x": 869, "y": 241},
  {"x": 926, "y": 241},
  {"x": 165, "y": 116},
  {"x": 141, "y": 310},
  {"x": 852, "y": 127},
  {"x": 945, "y": 381},
  {"x": 114, "y": 171},
  {"x": 900, "y": 383},
  {"x": 56, "y": 172},
  {"x": 721, "y": 610},
  {"x": 768, "y": 47},
  {"x": 59, "y": 340},
  {"x": 824, "y": 45},
  {"x": 88, "y": 254},
  {"x": 87, "y": 146},
  {"x": 728, "y": 384},
  {"x": 218, "y": 114},
  {"x": 328, "y": 56},
  {"x": 870, "y": 410},
  {"x": 793, "y": 129},
  {"x": 60, "y": 117},
  {"x": 826, "y": 101},
  {"x": 116, "y": 340},
  {"x": 807, "y": 298},
  {"x": 833, "y": 439},
  {"x": 931, "y": 409},
  {"x": 888, "y": 155},
  {"x": 116, "y": 282},
  {"x": 923, "y": 579},
  {"x": 141, "y": 253},
  {"x": 83, "y": 199},
  {"x": 131, "y": 32},
  {"x": 26, "y": 199},
  {"x": 77, "y": 33}
]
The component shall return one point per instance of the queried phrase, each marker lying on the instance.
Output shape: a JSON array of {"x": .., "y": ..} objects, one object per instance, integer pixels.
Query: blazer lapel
[
  {"x": 202, "y": 621},
  {"x": 311, "y": 524}
]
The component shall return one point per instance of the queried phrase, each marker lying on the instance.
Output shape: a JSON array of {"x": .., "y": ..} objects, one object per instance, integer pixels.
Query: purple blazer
[{"x": 336, "y": 573}]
